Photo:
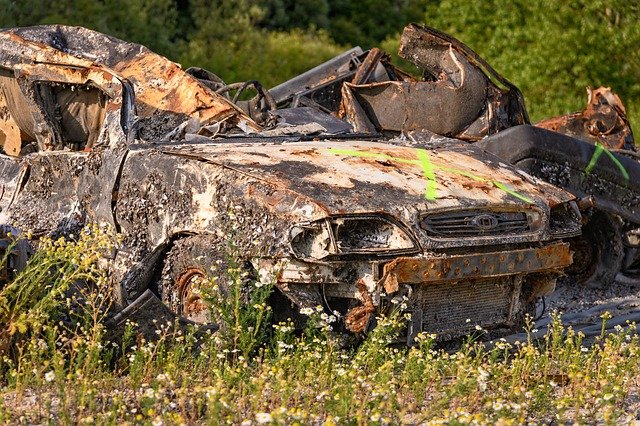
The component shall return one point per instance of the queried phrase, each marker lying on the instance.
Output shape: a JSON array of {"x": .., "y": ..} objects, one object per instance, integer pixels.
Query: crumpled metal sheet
[
  {"x": 25, "y": 111},
  {"x": 604, "y": 121},
  {"x": 166, "y": 95},
  {"x": 462, "y": 96}
]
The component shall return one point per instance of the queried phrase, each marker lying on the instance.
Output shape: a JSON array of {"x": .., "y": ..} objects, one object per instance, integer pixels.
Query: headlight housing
[
  {"x": 351, "y": 235},
  {"x": 565, "y": 220}
]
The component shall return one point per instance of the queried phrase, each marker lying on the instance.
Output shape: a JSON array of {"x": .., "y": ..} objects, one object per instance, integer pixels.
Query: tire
[
  {"x": 191, "y": 262},
  {"x": 598, "y": 253},
  {"x": 631, "y": 263}
]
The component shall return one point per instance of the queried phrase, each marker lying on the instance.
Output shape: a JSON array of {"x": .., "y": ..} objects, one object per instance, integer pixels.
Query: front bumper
[
  {"x": 411, "y": 270},
  {"x": 445, "y": 294},
  {"x": 428, "y": 269}
]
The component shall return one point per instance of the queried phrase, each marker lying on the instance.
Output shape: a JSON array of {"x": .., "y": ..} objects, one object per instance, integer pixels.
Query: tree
[
  {"x": 228, "y": 42},
  {"x": 349, "y": 22},
  {"x": 148, "y": 22},
  {"x": 368, "y": 22},
  {"x": 286, "y": 15}
]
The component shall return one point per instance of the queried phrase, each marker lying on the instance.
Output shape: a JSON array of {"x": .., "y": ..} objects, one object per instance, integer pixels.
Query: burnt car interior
[
  {"x": 73, "y": 115},
  {"x": 75, "y": 112}
]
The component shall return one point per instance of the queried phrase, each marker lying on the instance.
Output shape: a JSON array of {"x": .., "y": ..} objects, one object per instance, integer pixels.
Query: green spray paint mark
[
  {"x": 428, "y": 170},
  {"x": 618, "y": 164},
  {"x": 596, "y": 155},
  {"x": 429, "y": 174},
  {"x": 511, "y": 192}
]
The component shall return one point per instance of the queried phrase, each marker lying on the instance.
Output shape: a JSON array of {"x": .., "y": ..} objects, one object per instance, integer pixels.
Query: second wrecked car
[{"x": 345, "y": 221}]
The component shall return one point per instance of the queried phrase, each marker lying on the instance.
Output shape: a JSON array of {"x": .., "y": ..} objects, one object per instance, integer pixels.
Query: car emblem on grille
[{"x": 485, "y": 222}]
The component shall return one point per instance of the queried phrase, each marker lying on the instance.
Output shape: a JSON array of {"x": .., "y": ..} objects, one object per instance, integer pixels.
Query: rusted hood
[
  {"x": 166, "y": 95},
  {"x": 363, "y": 176}
]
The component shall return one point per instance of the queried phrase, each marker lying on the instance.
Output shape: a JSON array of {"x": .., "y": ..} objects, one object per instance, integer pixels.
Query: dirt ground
[{"x": 581, "y": 307}]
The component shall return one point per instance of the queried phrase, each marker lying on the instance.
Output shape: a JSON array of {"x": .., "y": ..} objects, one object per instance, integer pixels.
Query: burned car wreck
[
  {"x": 345, "y": 210},
  {"x": 590, "y": 153}
]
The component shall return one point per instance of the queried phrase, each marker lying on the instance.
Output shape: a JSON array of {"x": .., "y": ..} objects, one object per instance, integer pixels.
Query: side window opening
[{"x": 75, "y": 113}]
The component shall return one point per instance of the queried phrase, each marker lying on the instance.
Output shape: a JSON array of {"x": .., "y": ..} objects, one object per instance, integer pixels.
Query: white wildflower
[{"x": 263, "y": 418}]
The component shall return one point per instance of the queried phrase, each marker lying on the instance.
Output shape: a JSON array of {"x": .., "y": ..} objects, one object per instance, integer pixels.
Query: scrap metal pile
[{"x": 355, "y": 186}]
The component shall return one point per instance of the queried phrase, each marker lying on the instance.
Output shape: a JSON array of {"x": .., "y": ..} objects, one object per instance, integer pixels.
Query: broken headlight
[
  {"x": 565, "y": 220},
  {"x": 350, "y": 235}
]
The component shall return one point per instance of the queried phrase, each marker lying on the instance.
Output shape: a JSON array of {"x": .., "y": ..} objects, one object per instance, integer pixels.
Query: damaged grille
[
  {"x": 475, "y": 224},
  {"x": 446, "y": 307}
]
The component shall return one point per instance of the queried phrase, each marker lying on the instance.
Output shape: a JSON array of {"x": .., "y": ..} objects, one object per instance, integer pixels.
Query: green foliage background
[{"x": 551, "y": 49}]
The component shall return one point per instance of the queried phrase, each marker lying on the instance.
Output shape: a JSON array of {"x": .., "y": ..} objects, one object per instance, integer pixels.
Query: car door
[{"x": 68, "y": 146}]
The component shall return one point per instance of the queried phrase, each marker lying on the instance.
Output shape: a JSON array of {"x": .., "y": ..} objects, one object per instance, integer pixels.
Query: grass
[{"x": 61, "y": 369}]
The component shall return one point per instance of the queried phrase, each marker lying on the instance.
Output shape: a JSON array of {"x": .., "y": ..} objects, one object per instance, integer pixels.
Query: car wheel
[
  {"x": 597, "y": 253},
  {"x": 189, "y": 265}
]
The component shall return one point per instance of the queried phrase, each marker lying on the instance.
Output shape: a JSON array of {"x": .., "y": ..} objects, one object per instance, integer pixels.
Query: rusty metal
[
  {"x": 166, "y": 95},
  {"x": 604, "y": 120},
  {"x": 192, "y": 306},
  {"x": 473, "y": 266},
  {"x": 357, "y": 319},
  {"x": 368, "y": 67},
  {"x": 43, "y": 129},
  {"x": 335, "y": 216},
  {"x": 445, "y": 307},
  {"x": 462, "y": 96}
]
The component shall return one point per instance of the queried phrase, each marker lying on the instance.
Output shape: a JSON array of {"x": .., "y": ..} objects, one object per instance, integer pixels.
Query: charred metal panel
[
  {"x": 603, "y": 121},
  {"x": 98, "y": 191},
  {"x": 576, "y": 165},
  {"x": 436, "y": 52},
  {"x": 64, "y": 190},
  {"x": 406, "y": 106},
  {"x": 166, "y": 95},
  {"x": 155, "y": 197},
  {"x": 164, "y": 194},
  {"x": 49, "y": 201},
  {"x": 361, "y": 177},
  {"x": 12, "y": 172},
  {"x": 462, "y": 96}
]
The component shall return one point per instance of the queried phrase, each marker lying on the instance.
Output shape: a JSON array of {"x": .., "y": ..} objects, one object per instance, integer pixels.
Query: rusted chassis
[
  {"x": 162, "y": 195},
  {"x": 277, "y": 201}
]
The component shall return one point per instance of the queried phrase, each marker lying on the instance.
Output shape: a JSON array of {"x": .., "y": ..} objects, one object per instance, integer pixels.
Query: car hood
[{"x": 350, "y": 177}]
